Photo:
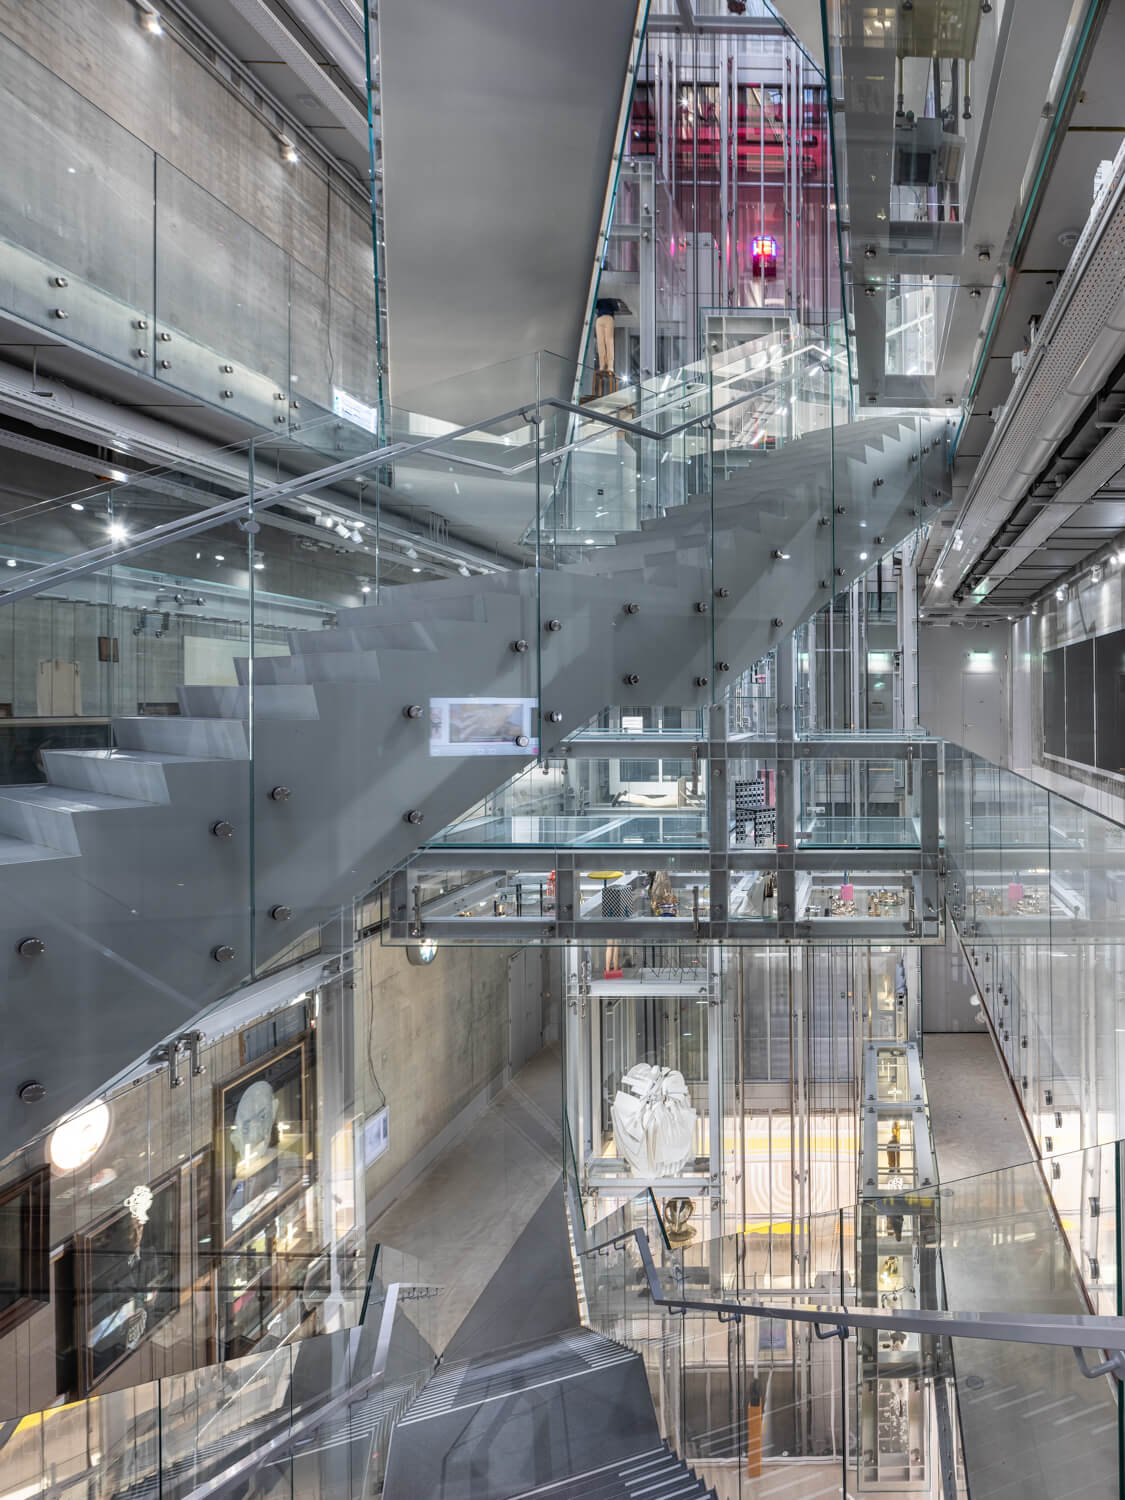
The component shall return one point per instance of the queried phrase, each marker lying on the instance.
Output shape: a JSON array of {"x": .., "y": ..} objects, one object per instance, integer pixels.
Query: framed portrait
[
  {"x": 263, "y": 1132},
  {"x": 24, "y": 1256},
  {"x": 128, "y": 1277}
]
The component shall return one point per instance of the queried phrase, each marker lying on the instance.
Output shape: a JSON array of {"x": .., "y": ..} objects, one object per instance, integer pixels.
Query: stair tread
[
  {"x": 67, "y": 799},
  {"x": 20, "y": 851},
  {"x": 140, "y": 757}
]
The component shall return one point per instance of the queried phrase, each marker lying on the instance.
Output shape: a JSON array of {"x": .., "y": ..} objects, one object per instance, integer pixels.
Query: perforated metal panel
[{"x": 1089, "y": 291}]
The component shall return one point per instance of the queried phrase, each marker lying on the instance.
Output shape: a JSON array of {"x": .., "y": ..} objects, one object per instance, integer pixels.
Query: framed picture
[
  {"x": 24, "y": 1257},
  {"x": 129, "y": 1277},
  {"x": 262, "y": 1134}
]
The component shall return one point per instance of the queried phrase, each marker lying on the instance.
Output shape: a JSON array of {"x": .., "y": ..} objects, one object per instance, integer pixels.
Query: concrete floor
[
  {"x": 485, "y": 1222},
  {"x": 1033, "y": 1427}
]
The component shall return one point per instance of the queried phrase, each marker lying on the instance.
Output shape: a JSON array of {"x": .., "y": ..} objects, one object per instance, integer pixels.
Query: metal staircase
[
  {"x": 568, "y": 1416},
  {"x": 144, "y": 881}
]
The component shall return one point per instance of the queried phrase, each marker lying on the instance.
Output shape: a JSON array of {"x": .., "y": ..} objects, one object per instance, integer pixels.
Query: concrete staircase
[{"x": 140, "y": 884}]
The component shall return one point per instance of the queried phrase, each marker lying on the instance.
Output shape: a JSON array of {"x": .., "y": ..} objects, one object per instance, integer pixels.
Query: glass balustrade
[
  {"x": 315, "y": 1416},
  {"x": 260, "y": 638},
  {"x": 755, "y": 1401}
]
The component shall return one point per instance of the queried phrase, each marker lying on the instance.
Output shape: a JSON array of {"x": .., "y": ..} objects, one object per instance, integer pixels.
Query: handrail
[
  {"x": 1062, "y": 1330},
  {"x": 252, "y": 1462},
  {"x": 244, "y": 507}
]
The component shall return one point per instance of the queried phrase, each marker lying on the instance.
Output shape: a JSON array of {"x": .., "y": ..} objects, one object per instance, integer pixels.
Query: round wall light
[
  {"x": 77, "y": 1140},
  {"x": 422, "y": 953}
]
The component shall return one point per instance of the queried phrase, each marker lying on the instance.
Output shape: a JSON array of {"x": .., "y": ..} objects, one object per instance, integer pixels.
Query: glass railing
[
  {"x": 219, "y": 681},
  {"x": 314, "y": 1416},
  {"x": 110, "y": 244},
  {"x": 964, "y": 1307}
]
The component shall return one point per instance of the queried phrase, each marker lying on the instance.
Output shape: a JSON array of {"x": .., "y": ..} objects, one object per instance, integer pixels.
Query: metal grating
[{"x": 1091, "y": 286}]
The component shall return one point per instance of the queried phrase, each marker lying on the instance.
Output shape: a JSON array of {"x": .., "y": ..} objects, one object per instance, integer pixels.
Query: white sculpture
[{"x": 654, "y": 1121}]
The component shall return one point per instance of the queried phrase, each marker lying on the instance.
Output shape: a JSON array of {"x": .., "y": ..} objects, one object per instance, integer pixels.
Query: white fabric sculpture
[{"x": 654, "y": 1121}]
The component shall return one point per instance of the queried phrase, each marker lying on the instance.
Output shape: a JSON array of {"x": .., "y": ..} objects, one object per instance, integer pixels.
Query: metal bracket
[
  {"x": 1114, "y": 1365},
  {"x": 837, "y": 1331}
]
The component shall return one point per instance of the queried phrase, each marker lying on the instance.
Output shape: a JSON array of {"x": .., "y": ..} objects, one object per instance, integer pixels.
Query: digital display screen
[{"x": 483, "y": 726}]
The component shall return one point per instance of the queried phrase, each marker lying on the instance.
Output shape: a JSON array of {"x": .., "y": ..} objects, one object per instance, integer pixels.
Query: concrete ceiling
[
  {"x": 500, "y": 124},
  {"x": 307, "y": 55}
]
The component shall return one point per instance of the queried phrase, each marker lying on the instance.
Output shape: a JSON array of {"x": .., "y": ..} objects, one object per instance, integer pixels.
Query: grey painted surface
[
  {"x": 499, "y": 125},
  {"x": 964, "y": 685},
  {"x": 537, "y": 1416},
  {"x": 948, "y": 990}
]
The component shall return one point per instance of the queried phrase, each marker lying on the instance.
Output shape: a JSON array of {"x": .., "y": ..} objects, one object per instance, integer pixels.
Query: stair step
[
  {"x": 203, "y": 739},
  {"x": 270, "y": 700},
  {"x": 16, "y": 851},
  {"x": 50, "y": 815},
  {"x": 119, "y": 773}
]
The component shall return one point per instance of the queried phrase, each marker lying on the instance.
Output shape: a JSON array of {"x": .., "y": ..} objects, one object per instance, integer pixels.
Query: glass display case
[
  {"x": 646, "y": 799},
  {"x": 861, "y": 803}
]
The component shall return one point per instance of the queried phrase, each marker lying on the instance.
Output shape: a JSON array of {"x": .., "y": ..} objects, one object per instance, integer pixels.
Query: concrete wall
[
  {"x": 432, "y": 1043},
  {"x": 178, "y": 206}
]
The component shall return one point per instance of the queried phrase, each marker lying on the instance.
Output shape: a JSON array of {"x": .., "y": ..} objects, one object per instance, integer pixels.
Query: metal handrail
[
  {"x": 243, "y": 507},
  {"x": 1075, "y": 1331}
]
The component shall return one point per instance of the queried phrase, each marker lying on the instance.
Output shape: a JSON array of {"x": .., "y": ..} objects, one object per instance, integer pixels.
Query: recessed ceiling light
[
  {"x": 12, "y": 562},
  {"x": 416, "y": 570},
  {"x": 77, "y": 505}
]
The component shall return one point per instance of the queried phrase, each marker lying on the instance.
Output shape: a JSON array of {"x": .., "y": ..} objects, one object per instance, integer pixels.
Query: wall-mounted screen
[{"x": 483, "y": 726}]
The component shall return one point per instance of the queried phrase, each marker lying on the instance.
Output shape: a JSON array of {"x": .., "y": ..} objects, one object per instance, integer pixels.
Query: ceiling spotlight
[
  {"x": 77, "y": 505},
  {"x": 258, "y": 566},
  {"x": 416, "y": 570},
  {"x": 1060, "y": 593},
  {"x": 12, "y": 563},
  {"x": 863, "y": 557},
  {"x": 117, "y": 531},
  {"x": 463, "y": 570},
  {"x": 220, "y": 557},
  {"x": 150, "y": 20},
  {"x": 365, "y": 588},
  {"x": 289, "y": 152}
]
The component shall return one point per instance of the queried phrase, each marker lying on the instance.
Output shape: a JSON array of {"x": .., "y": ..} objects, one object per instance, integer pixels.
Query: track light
[
  {"x": 412, "y": 552},
  {"x": 150, "y": 19},
  {"x": 289, "y": 152},
  {"x": 463, "y": 570}
]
